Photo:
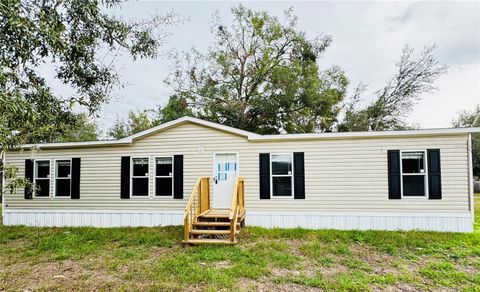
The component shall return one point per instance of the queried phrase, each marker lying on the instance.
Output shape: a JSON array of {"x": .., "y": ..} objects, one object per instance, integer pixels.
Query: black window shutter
[
  {"x": 29, "y": 177},
  {"x": 178, "y": 176},
  {"x": 434, "y": 174},
  {"x": 125, "y": 178},
  {"x": 298, "y": 175},
  {"x": 264, "y": 176},
  {"x": 75, "y": 191},
  {"x": 394, "y": 187}
]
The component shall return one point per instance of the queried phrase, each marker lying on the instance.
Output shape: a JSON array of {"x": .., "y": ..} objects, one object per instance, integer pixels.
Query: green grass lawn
[{"x": 278, "y": 259}]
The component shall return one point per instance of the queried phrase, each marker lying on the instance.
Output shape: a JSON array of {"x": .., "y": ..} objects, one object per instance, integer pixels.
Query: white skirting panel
[
  {"x": 55, "y": 218},
  {"x": 454, "y": 222},
  {"x": 363, "y": 221}
]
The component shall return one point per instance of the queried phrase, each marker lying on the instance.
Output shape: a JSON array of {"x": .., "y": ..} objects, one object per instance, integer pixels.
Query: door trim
[{"x": 237, "y": 158}]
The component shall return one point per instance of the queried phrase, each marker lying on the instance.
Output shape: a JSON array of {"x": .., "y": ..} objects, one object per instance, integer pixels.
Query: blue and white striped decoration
[{"x": 223, "y": 169}]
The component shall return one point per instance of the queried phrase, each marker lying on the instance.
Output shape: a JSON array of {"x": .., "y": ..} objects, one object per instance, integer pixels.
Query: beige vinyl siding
[{"x": 340, "y": 174}]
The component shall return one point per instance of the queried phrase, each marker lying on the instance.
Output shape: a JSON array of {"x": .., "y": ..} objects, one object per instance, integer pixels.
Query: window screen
[
  {"x": 62, "y": 188},
  {"x": 42, "y": 178},
  {"x": 282, "y": 186},
  {"x": 139, "y": 186},
  {"x": 139, "y": 177},
  {"x": 62, "y": 178},
  {"x": 42, "y": 169},
  {"x": 281, "y": 175},
  {"x": 163, "y": 176},
  {"x": 413, "y": 162},
  {"x": 281, "y": 164},
  {"x": 42, "y": 187},
  {"x": 163, "y": 186},
  {"x": 163, "y": 166},
  {"x": 413, "y": 174},
  {"x": 140, "y": 166},
  {"x": 414, "y": 185}
]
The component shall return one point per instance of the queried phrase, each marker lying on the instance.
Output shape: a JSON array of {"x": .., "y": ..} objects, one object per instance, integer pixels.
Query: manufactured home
[{"x": 182, "y": 171}]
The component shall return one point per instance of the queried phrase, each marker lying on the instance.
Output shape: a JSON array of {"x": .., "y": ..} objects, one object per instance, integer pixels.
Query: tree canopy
[
  {"x": 83, "y": 129},
  {"x": 80, "y": 40},
  {"x": 468, "y": 118},
  {"x": 260, "y": 75},
  {"x": 141, "y": 120},
  {"x": 397, "y": 98},
  {"x": 471, "y": 119},
  {"x": 137, "y": 121}
]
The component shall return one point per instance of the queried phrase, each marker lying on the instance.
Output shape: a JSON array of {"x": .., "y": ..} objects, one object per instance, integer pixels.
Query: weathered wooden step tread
[
  {"x": 200, "y": 231},
  {"x": 216, "y": 213},
  {"x": 212, "y": 224},
  {"x": 209, "y": 241},
  {"x": 222, "y": 216}
]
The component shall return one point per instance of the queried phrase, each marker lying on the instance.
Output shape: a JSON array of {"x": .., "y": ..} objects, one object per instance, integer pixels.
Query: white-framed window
[
  {"x": 164, "y": 176},
  {"x": 139, "y": 178},
  {"x": 41, "y": 177},
  {"x": 414, "y": 174},
  {"x": 281, "y": 174},
  {"x": 63, "y": 180}
]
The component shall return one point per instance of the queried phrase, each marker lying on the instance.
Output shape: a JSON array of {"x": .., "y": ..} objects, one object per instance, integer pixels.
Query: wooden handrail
[
  {"x": 234, "y": 204},
  {"x": 187, "y": 216},
  {"x": 237, "y": 206},
  {"x": 198, "y": 202},
  {"x": 192, "y": 197},
  {"x": 238, "y": 196}
]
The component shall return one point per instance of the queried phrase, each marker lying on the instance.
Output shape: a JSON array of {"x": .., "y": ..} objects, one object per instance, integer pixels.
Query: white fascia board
[
  {"x": 376, "y": 134},
  {"x": 77, "y": 144}
]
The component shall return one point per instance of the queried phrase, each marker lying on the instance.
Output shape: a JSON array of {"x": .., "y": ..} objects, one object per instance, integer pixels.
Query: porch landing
[{"x": 222, "y": 213}]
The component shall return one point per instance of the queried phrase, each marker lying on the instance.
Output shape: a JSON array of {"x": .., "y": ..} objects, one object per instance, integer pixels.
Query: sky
[{"x": 367, "y": 41}]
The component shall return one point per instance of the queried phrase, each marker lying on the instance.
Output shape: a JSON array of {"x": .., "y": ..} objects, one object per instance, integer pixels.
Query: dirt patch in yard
[
  {"x": 222, "y": 264},
  {"x": 281, "y": 272},
  {"x": 263, "y": 284},
  {"x": 399, "y": 287},
  {"x": 381, "y": 263},
  {"x": 333, "y": 270},
  {"x": 65, "y": 274}
]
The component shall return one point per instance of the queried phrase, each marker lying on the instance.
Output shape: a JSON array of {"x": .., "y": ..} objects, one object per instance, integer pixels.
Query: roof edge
[
  {"x": 76, "y": 144},
  {"x": 129, "y": 140},
  {"x": 256, "y": 137},
  {"x": 186, "y": 119},
  {"x": 372, "y": 134}
]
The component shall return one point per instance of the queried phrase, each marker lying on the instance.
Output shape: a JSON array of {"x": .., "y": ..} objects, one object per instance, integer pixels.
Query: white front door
[{"x": 224, "y": 176}]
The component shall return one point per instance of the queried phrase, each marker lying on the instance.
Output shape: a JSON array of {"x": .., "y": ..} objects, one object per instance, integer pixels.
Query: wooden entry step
[
  {"x": 203, "y": 225},
  {"x": 209, "y": 241},
  {"x": 212, "y": 224},
  {"x": 221, "y": 214},
  {"x": 212, "y": 232},
  {"x": 215, "y": 213}
]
